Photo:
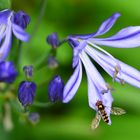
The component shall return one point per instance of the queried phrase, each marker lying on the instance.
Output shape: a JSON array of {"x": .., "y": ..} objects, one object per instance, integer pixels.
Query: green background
[{"x": 72, "y": 121}]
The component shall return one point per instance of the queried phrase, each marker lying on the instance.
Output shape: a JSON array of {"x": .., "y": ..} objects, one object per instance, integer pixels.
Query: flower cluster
[
  {"x": 12, "y": 23},
  {"x": 85, "y": 47}
]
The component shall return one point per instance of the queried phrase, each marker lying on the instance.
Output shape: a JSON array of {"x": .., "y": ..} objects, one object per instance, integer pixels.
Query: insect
[
  {"x": 114, "y": 110},
  {"x": 102, "y": 112}
]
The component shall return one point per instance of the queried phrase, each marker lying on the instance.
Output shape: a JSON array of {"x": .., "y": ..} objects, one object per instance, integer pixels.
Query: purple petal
[
  {"x": 73, "y": 83},
  {"x": 26, "y": 92},
  {"x": 107, "y": 24},
  {"x": 8, "y": 73},
  {"x": 127, "y": 73},
  {"x": 93, "y": 72},
  {"x": 76, "y": 50},
  {"x": 55, "y": 89},
  {"x": 104, "y": 27},
  {"x": 21, "y": 19},
  {"x": 126, "y": 38},
  {"x": 53, "y": 40},
  {"x": 94, "y": 95},
  {"x": 6, "y": 46},
  {"x": 4, "y": 16},
  {"x": 2, "y": 31},
  {"x": 20, "y": 33}
]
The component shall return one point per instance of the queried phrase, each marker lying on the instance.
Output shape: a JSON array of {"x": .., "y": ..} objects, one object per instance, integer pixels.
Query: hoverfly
[{"x": 102, "y": 114}]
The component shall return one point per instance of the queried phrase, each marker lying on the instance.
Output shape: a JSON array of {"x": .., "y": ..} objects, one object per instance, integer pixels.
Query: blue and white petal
[
  {"x": 107, "y": 24},
  {"x": 94, "y": 93},
  {"x": 93, "y": 72},
  {"x": 4, "y": 16},
  {"x": 6, "y": 45},
  {"x": 20, "y": 33},
  {"x": 104, "y": 27},
  {"x": 127, "y": 73},
  {"x": 126, "y": 38},
  {"x": 73, "y": 83}
]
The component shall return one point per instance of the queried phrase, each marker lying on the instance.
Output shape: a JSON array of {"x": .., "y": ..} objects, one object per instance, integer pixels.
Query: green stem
[
  {"x": 40, "y": 16},
  {"x": 45, "y": 105},
  {"x": 41, "y": 62},
  {"x": 15, "y": 54},
  {"x": 53, "y": 52},
  {"x": 63, "y": 41},
  {"x": 18, "y": 61}
]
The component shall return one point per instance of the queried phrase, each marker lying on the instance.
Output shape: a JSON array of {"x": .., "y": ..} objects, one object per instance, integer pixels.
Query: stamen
[
  {"x": 117, "y": 70},
  {"x": 122, "y": 82},
  {"x": 110, "y": 87}
]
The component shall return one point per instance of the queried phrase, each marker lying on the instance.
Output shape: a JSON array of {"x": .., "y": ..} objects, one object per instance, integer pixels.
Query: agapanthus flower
[
  {"x": 26, "y": 92},
  {"x": 87, "y": 45},
  {"x": 11, "y": 23},
  {"x": 55, "y": 89},
  {"x": 8, "y": 73}
]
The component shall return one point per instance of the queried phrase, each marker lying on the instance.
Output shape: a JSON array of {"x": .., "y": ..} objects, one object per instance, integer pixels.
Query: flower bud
[
  {"x": 52, "y": 62},
  {"x": 21, "y": 19},
  {"x": 8, "y": 72},
  {"x": 26, "y": 92},
  {"x": 53, "y": 40},
  {"x": 34, "y": 117},
  {"x": 55, "y": 89},
  {"x": 28, "y": 71}
]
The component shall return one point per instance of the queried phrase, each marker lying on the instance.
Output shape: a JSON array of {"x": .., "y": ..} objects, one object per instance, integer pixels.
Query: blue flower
[
  {"x": 87, "y": 45},
  {"x": 8, "y": 72},
  {"x": 11, "y": 23},
  {"x": 55, "y": 89},
  {"x": 53, "y": 40},
  {"x": 21, "y": 19},
  {"x": 26, "y": 92}
]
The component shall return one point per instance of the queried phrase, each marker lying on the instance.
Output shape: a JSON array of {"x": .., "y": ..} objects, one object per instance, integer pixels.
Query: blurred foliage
[
  {"x": 72, "y": 121},
  {"x": 5, "y": 4}
]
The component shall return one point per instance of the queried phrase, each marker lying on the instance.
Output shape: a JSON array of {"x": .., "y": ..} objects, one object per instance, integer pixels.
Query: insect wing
[
  {"x": 95, "y": 121},
  {"x": 117, "y": 111}
]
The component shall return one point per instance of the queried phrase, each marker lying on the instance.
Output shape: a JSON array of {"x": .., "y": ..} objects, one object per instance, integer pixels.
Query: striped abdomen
[{"x": 102, "y": 111}]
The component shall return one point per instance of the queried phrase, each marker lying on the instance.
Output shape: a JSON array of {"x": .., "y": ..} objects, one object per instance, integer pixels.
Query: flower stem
[
  {"x": 40, "y": 16},
  {"x": 41, "y": 62},
  {"x": 19, "y": 54}
]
